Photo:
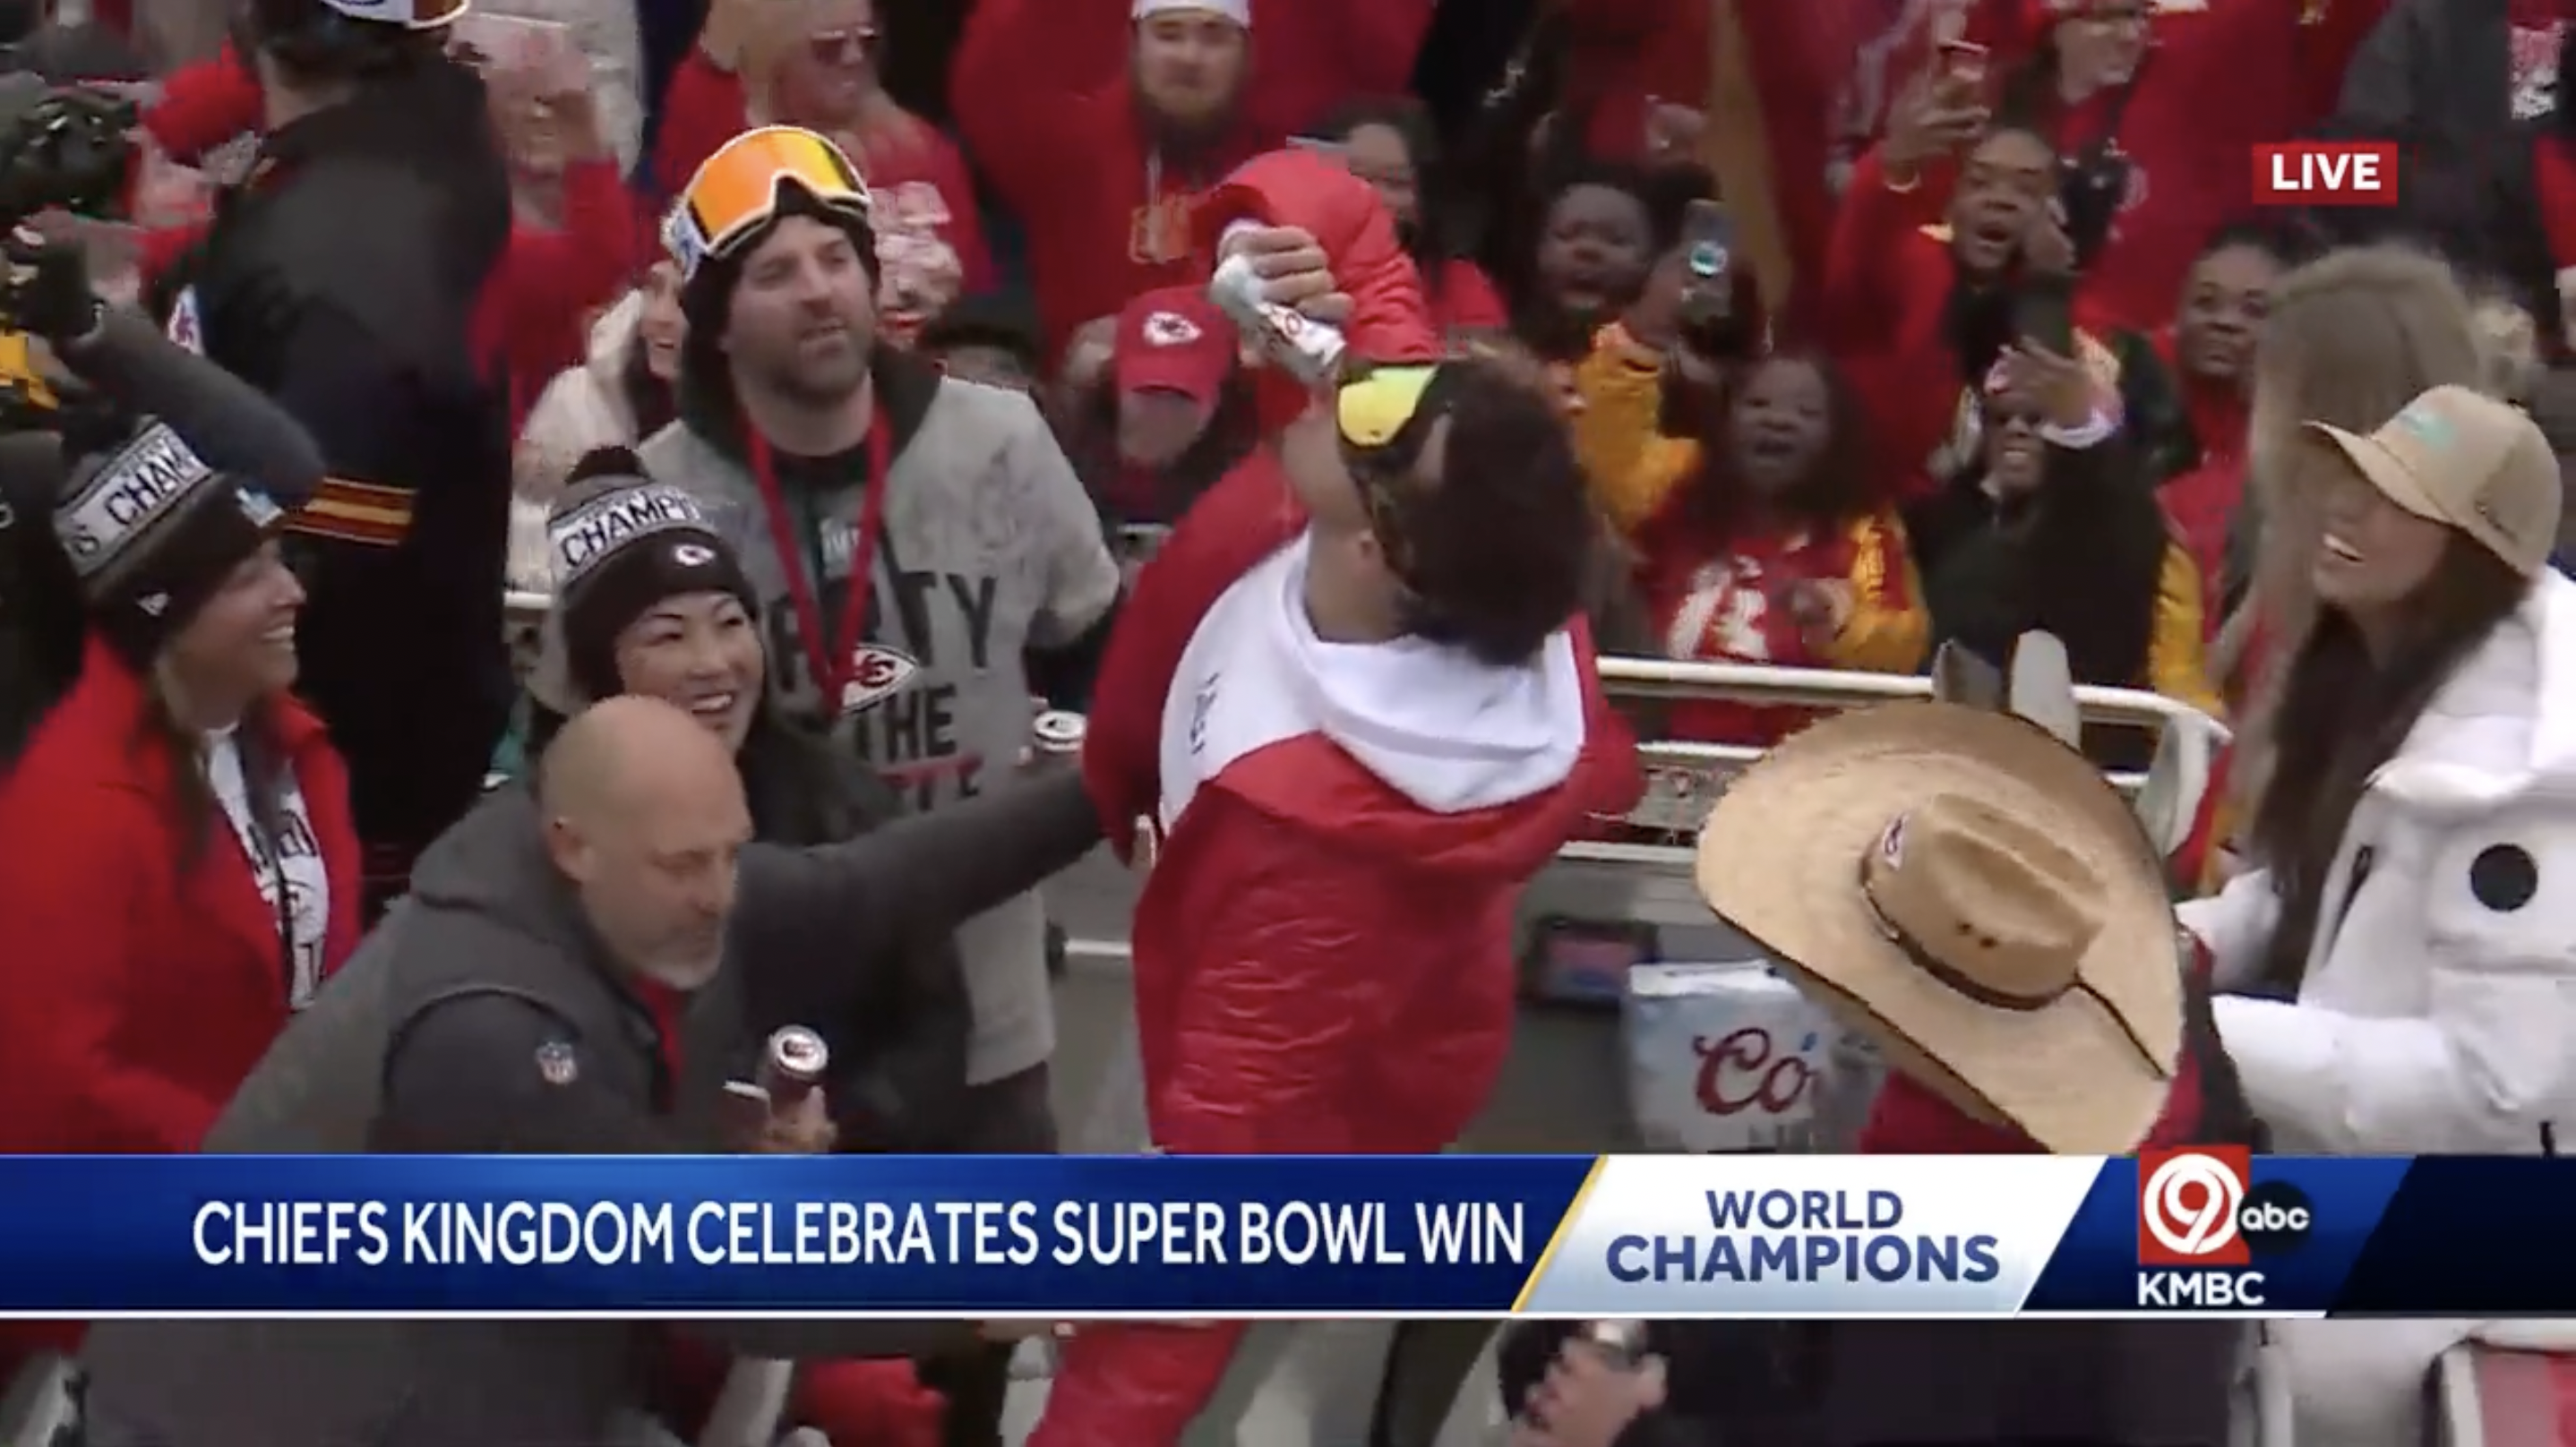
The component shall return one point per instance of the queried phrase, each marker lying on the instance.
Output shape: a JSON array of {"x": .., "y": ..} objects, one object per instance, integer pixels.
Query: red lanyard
[{"x": 832, "y": 667}]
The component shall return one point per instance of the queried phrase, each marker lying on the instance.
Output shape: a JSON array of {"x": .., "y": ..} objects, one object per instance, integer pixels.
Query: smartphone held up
[{"x": 1717, "y": 315}]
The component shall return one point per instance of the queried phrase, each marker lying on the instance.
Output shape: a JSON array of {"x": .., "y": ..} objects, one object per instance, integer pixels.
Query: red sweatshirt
[
  {"x": 1467, "y": 301},
  {"x": 1106, "y": 219},
  {"x": 2202, "y": 502},
  {"x": 1042, "y": 94},
  {"x": 920, "y": 180},
  {"x": 1624, "y": 55},
  {"x": 204, "y": 105}
]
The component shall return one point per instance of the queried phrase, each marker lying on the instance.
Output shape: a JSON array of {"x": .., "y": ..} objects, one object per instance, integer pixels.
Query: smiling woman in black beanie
[
  {"x": 649, "y": 600},
  {"x": 180, "y": 868}
]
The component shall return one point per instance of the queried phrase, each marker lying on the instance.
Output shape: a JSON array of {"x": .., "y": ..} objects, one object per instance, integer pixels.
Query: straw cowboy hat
[{"x": 1971, "y": 894}]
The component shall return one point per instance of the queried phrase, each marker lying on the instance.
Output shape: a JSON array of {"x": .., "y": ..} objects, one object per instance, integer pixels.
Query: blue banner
[
  {"x": 932, "y": 1236},
  {"x": 2194, "y": 1231}
]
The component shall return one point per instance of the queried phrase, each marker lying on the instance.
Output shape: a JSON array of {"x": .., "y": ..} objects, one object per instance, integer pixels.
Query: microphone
[{"x": 227, "y": 422}]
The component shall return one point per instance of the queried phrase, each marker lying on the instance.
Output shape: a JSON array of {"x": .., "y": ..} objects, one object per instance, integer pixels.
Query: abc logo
[{"x": 2195, "y": 1208}]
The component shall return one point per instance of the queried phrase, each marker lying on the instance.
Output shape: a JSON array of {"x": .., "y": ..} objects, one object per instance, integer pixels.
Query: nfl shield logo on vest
[{"x": 555, "y": 1063}]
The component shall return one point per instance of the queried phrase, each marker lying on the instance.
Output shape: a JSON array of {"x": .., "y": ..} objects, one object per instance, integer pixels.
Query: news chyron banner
[{"x": 1085, "y": 1238}]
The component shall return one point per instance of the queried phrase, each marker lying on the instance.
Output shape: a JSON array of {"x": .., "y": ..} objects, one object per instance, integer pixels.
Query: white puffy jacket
[{"x": 2438, "y": 1010}]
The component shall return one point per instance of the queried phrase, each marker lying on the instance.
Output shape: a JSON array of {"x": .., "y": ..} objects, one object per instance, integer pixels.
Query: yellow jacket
[
  {"x": 1888, "y": 628},
  {"x": 1885, "y": 628},
  {"x": 2177, "y": 662},
  {"x": 19, "y": 372},
  {"x": 1631, "y": 466}
]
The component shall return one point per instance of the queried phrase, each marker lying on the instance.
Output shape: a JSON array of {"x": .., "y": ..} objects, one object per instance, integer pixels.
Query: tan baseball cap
[{"x": 2463, "y": 458}]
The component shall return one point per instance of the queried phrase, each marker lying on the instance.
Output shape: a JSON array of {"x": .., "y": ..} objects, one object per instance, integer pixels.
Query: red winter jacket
[
  {"x": 1466, "y": 300},
  {"x": 141, "y": 993},
  {"x": 204, "y": 105},
  {"x": 2201, "y": 503},
  {"x": 2188, "y": 127},
  {"x": 1321, "y": 965}
]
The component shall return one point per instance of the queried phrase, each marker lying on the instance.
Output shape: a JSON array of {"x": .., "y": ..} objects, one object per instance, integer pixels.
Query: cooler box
[{"x": 1729, "y": 1057}]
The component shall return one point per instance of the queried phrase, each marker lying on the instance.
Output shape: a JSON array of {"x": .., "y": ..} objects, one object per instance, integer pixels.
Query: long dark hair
[
  {"x": 2350, "y": 713},
  {"x": 191, "y": 804},
  {"x": 1837, "y": 484},
  {"x": 1433, "y": 241},
  {"x": 654, "y": 402}
]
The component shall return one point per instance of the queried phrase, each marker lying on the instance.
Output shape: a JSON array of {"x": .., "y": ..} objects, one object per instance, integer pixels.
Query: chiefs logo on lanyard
[
  {"x": 876, "y": 674},
  {"x": 185, "y": 327}
]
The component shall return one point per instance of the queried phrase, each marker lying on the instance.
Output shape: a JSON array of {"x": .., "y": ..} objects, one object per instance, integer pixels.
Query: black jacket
[
  {"x": 343, "y": 279},
  {"x": 431, "y": 1039},
  {"x": 2079, "y": 558},
  {"x": 899, "y": 1042}
]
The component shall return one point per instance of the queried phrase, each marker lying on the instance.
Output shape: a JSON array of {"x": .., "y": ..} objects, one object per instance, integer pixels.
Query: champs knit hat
[
  {"x": 620, "y": 543},
  {"x": 2463, "y": 458},
  {"x": 151, "y": 532}
]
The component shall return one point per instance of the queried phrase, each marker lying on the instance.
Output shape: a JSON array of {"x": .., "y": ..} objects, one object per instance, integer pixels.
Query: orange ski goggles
[{"x": 737, "y": 190}]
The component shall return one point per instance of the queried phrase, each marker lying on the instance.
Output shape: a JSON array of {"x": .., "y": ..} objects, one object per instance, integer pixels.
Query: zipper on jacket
[{"x": 2362, "y": 859}]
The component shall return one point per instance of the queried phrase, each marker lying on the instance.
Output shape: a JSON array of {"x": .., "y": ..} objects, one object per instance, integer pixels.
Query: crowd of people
[{"x": 837, "y": 437}]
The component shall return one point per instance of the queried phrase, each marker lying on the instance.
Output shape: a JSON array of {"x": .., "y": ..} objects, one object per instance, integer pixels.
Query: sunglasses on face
[
  {"x": 843, "y": 47},
  {"x": 1382, "y": 418}
]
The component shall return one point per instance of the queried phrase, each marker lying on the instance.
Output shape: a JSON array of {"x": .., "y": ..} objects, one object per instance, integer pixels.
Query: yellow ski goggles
[
  {"x": 1382, "y": 413},
  {"x": 737, "y": 190}
]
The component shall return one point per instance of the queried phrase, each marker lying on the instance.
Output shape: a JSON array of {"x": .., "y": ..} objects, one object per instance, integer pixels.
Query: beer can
[
  {"x": 793, "y": 1064},
  {"x": 1057, "y": 731},
  {"x": 1310, "y": 350},
  {"x": 1624, "y": 1343}
]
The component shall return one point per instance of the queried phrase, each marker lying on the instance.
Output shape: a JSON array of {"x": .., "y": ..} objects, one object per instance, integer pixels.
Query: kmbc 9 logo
[{"x": 2199, "y": 1206}]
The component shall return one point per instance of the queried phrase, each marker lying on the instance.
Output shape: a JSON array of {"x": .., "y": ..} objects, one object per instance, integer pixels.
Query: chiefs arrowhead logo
[
  {"x": 877, "y": 673},
  {"x": 1171, "y": 329}
]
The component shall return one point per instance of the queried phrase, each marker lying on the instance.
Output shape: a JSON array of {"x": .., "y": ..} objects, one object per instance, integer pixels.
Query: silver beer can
[
  {"x": 1310, "y": 350},
  {"x": 1624, "y": 1343},
  {"x": 1057, "y": 731},
  {"x": 793, "y": 1064}
]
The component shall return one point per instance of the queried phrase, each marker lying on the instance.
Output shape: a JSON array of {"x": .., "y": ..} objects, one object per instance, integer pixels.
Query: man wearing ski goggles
[{"x": 738, "y": 189}]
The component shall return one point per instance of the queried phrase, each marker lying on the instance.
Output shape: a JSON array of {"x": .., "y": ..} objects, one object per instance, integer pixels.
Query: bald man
[{"x": 565, "y": 978}]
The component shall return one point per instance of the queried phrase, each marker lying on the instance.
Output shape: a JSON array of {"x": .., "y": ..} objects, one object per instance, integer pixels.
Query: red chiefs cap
[{"x": 1174, "y": 340}]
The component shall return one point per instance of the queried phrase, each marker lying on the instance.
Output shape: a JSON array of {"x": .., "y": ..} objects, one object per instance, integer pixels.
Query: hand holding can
[{"x": 1276, "y": 285}]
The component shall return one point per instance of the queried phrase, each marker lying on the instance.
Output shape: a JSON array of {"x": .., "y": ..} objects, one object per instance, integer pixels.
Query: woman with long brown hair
[
  {"x": 2400, "y": 956},
  {"x": 181, "y": 867},
  {"x": 2348, "y": 340}
]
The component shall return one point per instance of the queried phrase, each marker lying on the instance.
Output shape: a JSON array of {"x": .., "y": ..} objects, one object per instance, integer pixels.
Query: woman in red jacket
[
  {"x": 2210, "y": 352},
  {"x": 816, "y": 64},
  {"x": 1777, "y": 548},
  {"x": 181, "y": 867},
  {"x": 2179, "y": 91}
]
